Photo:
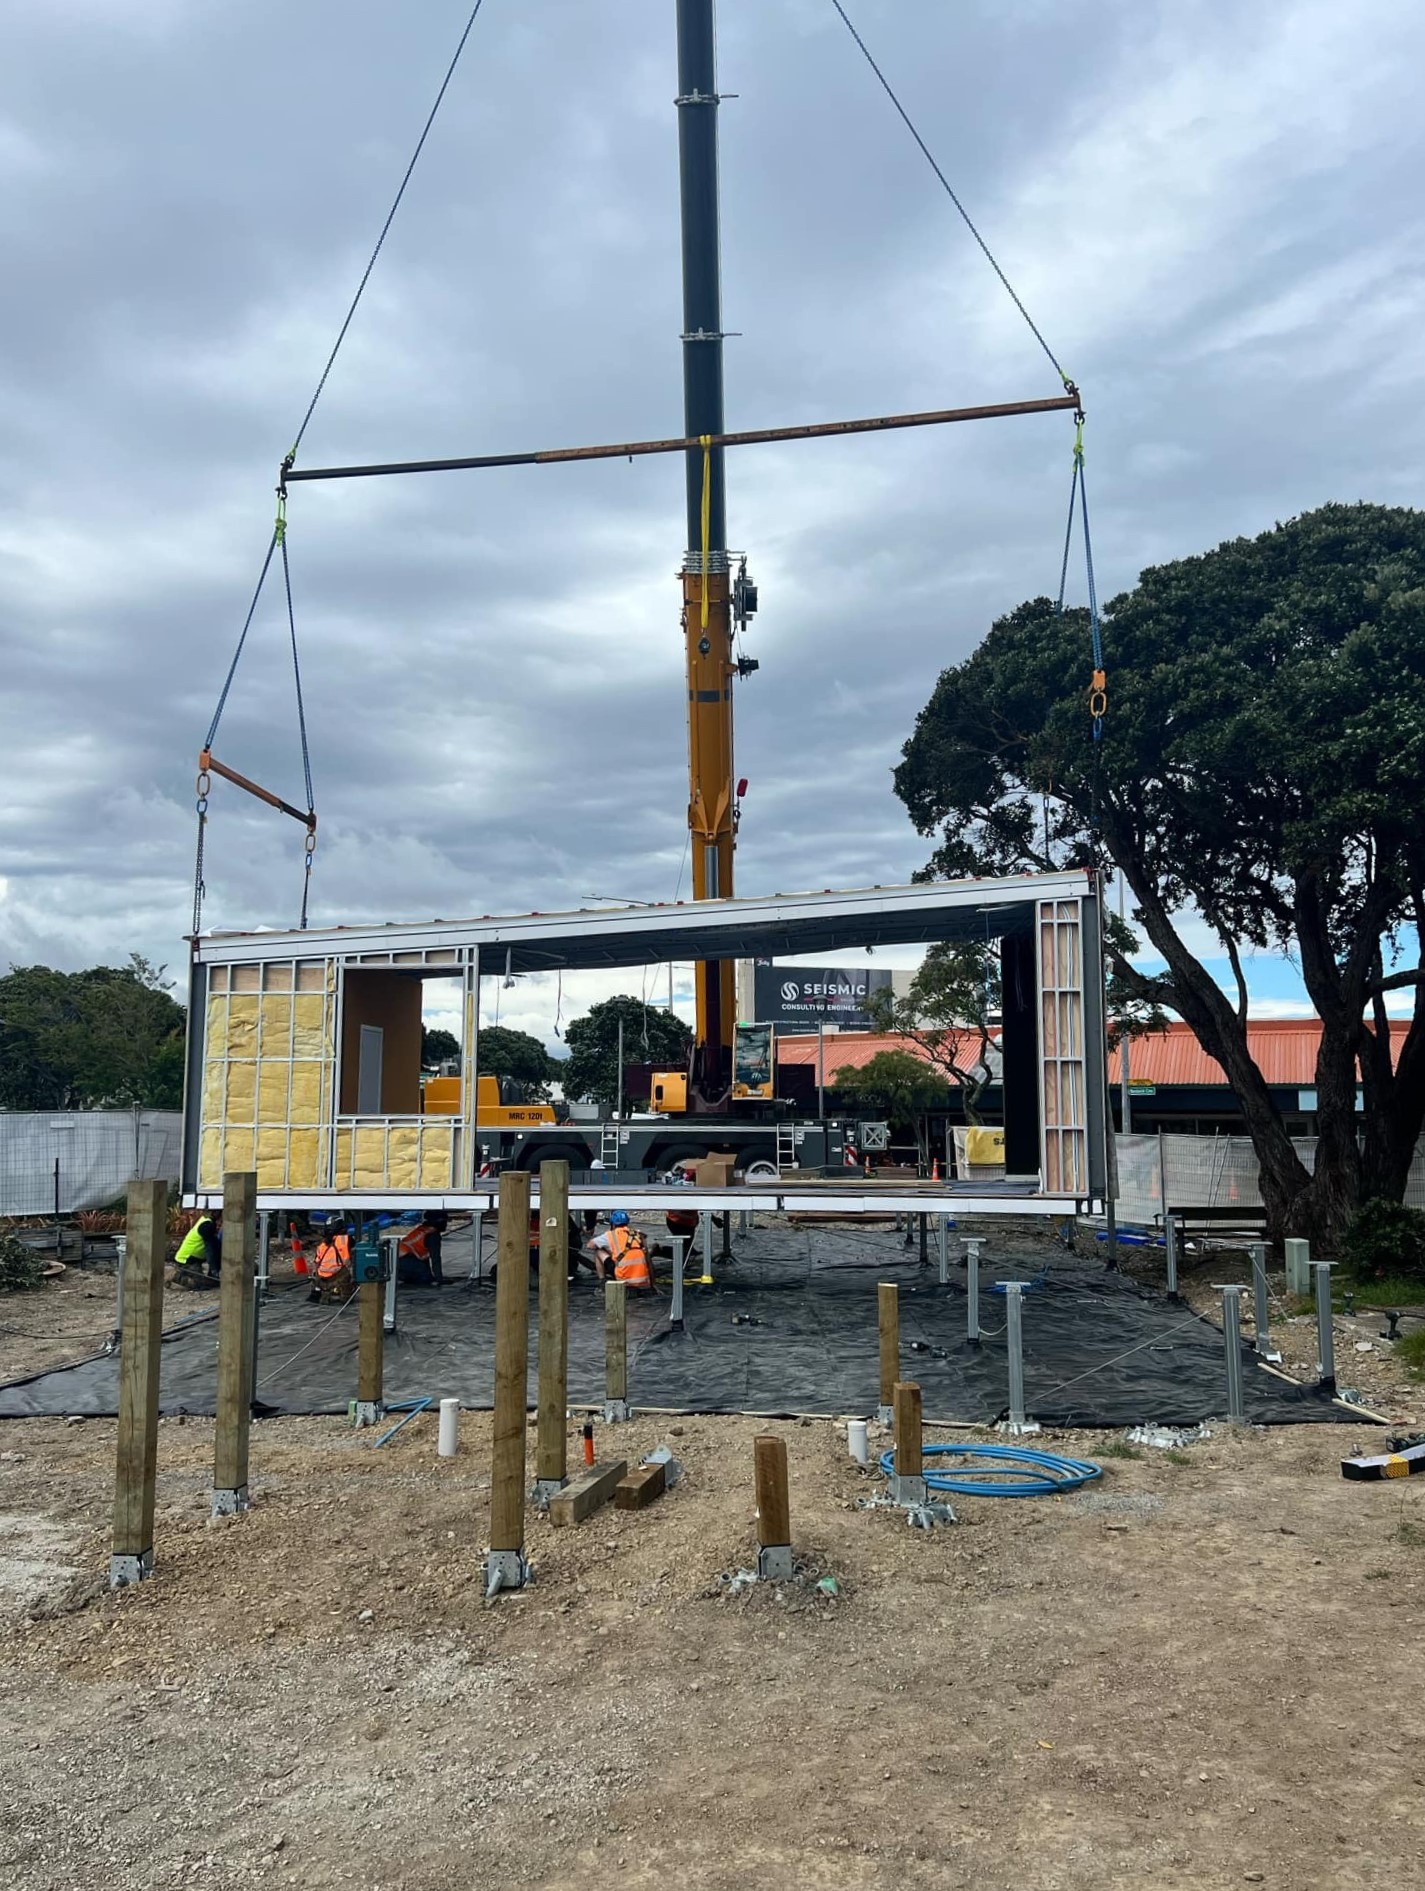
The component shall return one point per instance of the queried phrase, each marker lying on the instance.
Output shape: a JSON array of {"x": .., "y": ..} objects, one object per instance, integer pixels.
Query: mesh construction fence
[{"x": 67, "y": 1161}]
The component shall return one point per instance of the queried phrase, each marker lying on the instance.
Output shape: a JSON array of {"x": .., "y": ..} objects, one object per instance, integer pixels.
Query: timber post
[
  {"x": 136, "y": 1455},
  {"x": 889, "y": 1322},
  {"x": 616, "y": 1408},
  {"x": 370, "y": 1352},
  {"x": 908, "y": 1477},
  {"x": 551, "y": 1451},
  {"x": 774, "y": 1526},
  {"x": 506, "y": 1567}
]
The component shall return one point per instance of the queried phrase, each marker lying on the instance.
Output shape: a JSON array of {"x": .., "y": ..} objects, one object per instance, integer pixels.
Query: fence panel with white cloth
[
  {"x": 1208, "y": 1172},
  {"x": 98, "y": 1152}
]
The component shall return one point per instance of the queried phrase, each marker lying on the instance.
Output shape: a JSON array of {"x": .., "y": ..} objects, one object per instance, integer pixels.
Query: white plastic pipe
[
  {"x": 449, "y": 1428},
  {"x": 856, "y": 1440}
]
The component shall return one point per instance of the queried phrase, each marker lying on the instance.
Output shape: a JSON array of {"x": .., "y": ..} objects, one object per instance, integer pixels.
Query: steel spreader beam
[{"x": 638, "y": 449}]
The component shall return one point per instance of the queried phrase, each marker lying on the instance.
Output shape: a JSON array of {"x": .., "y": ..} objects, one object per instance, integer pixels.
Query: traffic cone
[
  {"x": 935, "y": 1170},
  {"x": 299, "y": 1259}
]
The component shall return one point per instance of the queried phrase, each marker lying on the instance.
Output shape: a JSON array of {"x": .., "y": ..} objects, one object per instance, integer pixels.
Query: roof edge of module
[{"x": 652, "y": 918}]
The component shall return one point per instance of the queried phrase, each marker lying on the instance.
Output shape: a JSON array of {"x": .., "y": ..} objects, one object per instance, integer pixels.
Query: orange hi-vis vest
[
  {"x": 333, "y": 1256},
  {"x": 630, "y": 1257},
  {"x": 417, "y": 1242}
]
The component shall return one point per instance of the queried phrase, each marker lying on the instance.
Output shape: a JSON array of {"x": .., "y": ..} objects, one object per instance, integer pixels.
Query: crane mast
[{"x": 706, "y": 578}]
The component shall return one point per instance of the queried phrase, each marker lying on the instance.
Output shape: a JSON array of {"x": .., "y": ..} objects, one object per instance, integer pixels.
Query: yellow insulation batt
[
  {"x": 269, "y": 1075},
  {"x": 396, "y": 1155},
  {"x": 437, "y": 1156}
]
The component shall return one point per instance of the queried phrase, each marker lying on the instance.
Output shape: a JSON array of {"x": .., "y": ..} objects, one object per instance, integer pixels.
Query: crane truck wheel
[
  {"x": 575, "y": 1155},
  {"x": 680, "y": 1156}
]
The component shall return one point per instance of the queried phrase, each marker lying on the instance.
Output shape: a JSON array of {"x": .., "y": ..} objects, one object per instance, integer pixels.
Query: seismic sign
[{"x": 803, "y": 996}]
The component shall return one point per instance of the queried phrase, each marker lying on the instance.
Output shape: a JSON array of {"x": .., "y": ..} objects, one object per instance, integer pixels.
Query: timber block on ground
[
  {"x": 640, "y": 1487},
  {"x": 586, "y": 1494}
]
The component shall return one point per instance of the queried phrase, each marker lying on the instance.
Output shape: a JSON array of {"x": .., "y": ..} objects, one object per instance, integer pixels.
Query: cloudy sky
[{"x": 1211, "y": 206}]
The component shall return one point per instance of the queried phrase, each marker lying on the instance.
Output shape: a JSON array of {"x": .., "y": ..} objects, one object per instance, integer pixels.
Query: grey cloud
[{"x": 1210, "y": 208}]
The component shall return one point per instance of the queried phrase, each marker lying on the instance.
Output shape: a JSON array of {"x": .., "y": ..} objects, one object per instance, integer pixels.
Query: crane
[
  {"x": 707, "y": 591},
  {"x": 715, "y": 600}
]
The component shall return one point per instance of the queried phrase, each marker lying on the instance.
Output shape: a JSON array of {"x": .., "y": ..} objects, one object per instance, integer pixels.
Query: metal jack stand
[
  {"x": 1258, "y": 1252},
  {"x": 972, "y": 1292},
  {"x": 1170, "y": 1254},
  {"x": 1232, "y": 1345},
  {"x": 389, "y": 1244},
  {"x": 681, "y": 1244},
  {"x": 1017, "y": 1425},
  {"x": 1325, "y": 1333},
  {"x": 942, "y": 1235}
]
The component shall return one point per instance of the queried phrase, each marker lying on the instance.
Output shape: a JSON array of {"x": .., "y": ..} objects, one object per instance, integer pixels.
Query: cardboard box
[{"x": 714, "y": 1171}]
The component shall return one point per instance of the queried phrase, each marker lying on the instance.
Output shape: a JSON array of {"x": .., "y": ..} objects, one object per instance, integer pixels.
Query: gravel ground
[{"x": 1195, "y": 1673}]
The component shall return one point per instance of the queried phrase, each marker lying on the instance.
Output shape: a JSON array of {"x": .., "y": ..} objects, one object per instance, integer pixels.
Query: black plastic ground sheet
[{"x": 789, "y": 1325}]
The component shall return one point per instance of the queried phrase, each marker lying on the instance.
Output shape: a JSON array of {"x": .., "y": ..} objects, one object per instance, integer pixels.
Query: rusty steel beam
[
  {"x": 210, "y": 764},
  {"x": 636, "y": 449}
]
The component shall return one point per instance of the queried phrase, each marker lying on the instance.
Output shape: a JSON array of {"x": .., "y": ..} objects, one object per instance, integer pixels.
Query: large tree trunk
[
  {"x": 1198, "y": 998},
  {"x": 1337, "y": 987},
  {"x": 1335, "y": 1191},
  {"x": 1394, "y": 1106}
]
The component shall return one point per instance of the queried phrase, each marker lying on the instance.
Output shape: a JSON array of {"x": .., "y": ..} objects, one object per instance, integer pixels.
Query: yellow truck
[{"x": 497, "y": 1105}]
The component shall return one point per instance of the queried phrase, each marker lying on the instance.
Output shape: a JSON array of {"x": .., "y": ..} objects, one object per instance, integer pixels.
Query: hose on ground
[{"x": 1011, "y": 1471}]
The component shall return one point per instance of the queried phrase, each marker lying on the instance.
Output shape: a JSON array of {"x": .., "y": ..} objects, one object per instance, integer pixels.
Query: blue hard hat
[{"x": 618, "y": 1219}]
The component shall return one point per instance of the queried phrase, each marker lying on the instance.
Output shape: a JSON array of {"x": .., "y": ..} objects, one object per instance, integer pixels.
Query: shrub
[
  {"x": 21, "y": 1268},
  {"x": 1410, "y": 1350},
  {"x": 1385, "y": 1239}
]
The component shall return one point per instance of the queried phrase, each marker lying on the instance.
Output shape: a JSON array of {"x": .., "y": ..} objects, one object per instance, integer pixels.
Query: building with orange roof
[{"x": 1174, "y": 1085}]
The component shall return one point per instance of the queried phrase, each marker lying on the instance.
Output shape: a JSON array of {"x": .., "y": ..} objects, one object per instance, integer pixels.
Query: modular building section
[{"x": 303, "y": 1058}]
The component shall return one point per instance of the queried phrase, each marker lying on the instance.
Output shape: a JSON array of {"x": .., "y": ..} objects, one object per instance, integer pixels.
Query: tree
[
  {"x": 900, "y": 1083},
  {"x": 516, "y": 1054},
  {"x": 108, "y": 1037},
  {"x": 650, "y": 1036},
  {"x": 949, "y": 1011},
  {"x": 1262, "y": 765},
  {"x": 946, "y": 1014},
  {"x": 441, "y": 1047}
]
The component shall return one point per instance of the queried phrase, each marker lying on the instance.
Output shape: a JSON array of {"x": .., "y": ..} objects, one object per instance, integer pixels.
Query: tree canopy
[
  {"x": 949, "y": 1011},
  {"x": 110, "y": 1037},
  {"x": 901, "y": 1084},
  {"x": 947, "y": 1014},
  {"x": 506, "y": 1053},
  {"x": 650, "y": 1036},
  {"x": 1262, "y": 765},
  {"x": 438, "y": 1047}
]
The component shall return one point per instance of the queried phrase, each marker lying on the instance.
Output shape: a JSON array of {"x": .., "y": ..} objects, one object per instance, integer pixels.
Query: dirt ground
[{"x": 1203, "y": 1671}]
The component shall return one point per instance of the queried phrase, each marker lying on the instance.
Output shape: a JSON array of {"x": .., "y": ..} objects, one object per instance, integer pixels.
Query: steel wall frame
[{"x": 1061, "y": 911}]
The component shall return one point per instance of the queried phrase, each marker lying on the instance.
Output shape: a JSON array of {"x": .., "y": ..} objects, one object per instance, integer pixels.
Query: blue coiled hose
[{"x": 1014, "y": 1471}]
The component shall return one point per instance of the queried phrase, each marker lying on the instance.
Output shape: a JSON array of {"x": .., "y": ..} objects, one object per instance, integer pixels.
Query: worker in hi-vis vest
[
  {"x": 333, "y": 1265},
  {"x": 624, "y": 1249},
  {"x": 200, "y": 1253}
]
